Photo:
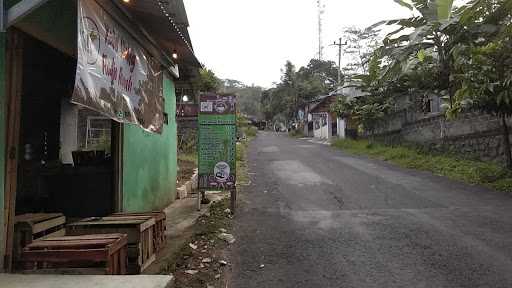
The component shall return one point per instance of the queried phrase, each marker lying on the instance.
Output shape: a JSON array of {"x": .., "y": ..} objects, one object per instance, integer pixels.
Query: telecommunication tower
[{"x": 321, "y": 10}]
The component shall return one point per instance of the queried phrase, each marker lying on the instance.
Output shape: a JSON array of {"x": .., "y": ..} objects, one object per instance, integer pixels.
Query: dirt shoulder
[{"x": 201, "y": 261}]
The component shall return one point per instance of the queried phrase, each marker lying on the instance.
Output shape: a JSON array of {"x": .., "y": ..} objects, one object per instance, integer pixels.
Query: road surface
[{"x": 317, "y": 217}]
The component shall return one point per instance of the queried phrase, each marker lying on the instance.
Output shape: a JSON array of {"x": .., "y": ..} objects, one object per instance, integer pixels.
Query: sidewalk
[
  {"x": 181, "y": 217},
  {"x": 85, "y": 281}
]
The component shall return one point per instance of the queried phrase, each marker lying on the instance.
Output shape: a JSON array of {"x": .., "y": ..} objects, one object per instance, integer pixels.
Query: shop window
[{"x": 99, "y": 131}]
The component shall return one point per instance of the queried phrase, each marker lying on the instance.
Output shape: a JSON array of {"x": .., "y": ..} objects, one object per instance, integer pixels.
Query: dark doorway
[{"x": 65, "y": 162}]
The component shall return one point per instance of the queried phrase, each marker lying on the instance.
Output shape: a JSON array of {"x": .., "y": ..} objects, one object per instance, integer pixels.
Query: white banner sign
[{"x": 115, "y": 75}]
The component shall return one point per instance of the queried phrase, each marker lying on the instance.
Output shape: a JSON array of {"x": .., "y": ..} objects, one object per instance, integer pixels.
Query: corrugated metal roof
[{"x": 167, "y": 23}]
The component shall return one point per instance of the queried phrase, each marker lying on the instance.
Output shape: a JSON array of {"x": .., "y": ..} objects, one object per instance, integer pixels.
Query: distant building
[{"x": 321, "y": 123}]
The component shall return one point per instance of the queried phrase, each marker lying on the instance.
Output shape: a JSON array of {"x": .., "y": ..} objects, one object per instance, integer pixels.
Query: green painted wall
[
  {"x": 150, "y": 162},
  {"x": 3, "y": 120}
]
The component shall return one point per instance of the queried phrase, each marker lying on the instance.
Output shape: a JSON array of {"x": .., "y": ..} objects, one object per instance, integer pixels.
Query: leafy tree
[
  {"x": 207, "y": 81},
  {"x": 369, "y": 110},
  {"x": 298, "y": 87},
  {"x": 485, "y": 65},
  {"x": 434, "y": 33},
  {"x": 360, "y": 45},
  {"x": 319, "y": 77},
  {"x": 248, "y": 97}
]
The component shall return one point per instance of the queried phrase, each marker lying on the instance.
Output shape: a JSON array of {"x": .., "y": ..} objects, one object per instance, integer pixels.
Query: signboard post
[{"x": 217, "y": 145}]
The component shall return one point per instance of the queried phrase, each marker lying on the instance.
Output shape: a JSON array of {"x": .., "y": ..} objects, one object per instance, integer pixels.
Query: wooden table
[
  {"x": 86, "y": 251},
  {"x": 140, "y": 232},
  {"x": 160, "y": 225}
]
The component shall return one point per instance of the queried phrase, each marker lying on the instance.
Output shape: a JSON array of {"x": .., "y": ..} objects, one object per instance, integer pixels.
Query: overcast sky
[{"x": 250, "y": 40}]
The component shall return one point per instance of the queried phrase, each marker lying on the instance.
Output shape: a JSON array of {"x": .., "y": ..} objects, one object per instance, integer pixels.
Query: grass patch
[
  {"x": 250, "y": 131},
  {"x": 187, "y": 162},
  {"x": 189, "y": 157},
  {"x": 296, "y": 133},
  {"x": 470, "y": 171},
  {"x": 241, "y": 162}
]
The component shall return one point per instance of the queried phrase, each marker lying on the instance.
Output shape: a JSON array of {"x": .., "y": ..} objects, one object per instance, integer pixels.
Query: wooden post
[{"x": 14, "y": 66}]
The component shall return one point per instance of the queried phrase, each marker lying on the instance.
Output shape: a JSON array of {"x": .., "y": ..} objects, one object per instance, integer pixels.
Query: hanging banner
[
  {"x": 217, "y": 142},
  {"x": 115, "y": 76}
]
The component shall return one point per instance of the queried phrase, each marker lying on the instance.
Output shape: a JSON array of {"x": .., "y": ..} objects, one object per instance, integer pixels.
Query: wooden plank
[
  {"x": 115, "y": 264},
  {"x": 109, "y": 222},
  {"x": 118, "y": 245},
  {"x": 90, "y": 237},
  {"x": 58, "y": 233},
  {"x": 127, "y": 217},
  {"x": 45, "y": 225},
  {"x": 64, "y": 255},
  {"x": 157, "y": 215},
  {"x": 65, "y": 271},
  {"x": 160, "y": 225},
  {"x": 14, "y": 75},
  {"x": 109, "y": 269},
  {"x": 147, "y": 224},
  {"x": 148, "y": 262},
  {"x": 72, "y": 244},
  {"x": 123, "y": 260},
  {"x": 132, "y": 233},
  {"x": 33, "y": 218}
]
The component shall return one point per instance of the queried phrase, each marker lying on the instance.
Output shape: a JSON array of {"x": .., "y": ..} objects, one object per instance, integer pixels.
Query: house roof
[
  {"x": 321, "y": 101},
  {"x": 167, "y": 23},
  {"x": 160, "y": 25}
]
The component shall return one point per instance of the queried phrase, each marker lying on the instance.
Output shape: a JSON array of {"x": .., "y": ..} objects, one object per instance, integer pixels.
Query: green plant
[
  {"x": 504, "y": 185},
  {"x": 296, "y": 133},
  {"x": 187, "y": 141},
  {"x": 449, "y": 165}
]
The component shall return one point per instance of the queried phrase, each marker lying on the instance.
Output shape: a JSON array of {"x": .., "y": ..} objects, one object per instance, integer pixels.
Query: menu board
[{"x": 217, "y": 142}]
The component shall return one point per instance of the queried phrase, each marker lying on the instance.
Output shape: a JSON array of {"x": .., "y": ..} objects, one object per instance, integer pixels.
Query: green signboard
[{"x": 217, "y": 142}]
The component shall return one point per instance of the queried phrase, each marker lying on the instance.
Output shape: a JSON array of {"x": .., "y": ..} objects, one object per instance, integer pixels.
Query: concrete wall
[
  {"x": 150, "y": 162},
  {"x": 3, "y": 120},
  {"x": 471, "y": 134}
]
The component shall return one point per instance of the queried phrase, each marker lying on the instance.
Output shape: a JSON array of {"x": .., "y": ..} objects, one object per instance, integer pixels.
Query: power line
[{"x": 340, "y": 45}]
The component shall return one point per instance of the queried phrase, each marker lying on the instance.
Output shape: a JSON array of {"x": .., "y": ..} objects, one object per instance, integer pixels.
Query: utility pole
[{"x": 339, "y": 44}]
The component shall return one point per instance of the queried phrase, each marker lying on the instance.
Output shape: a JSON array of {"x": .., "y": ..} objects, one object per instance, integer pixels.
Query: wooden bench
[
  {"x": 108, "y": 251},
  {"x": 140, "y": 232},
  {"x": 160, "y": 225},
  {"x": 32, "y": 226}
]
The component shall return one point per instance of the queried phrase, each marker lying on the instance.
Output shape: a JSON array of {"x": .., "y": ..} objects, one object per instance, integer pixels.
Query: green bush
[
  {"x": 296, "y": 133},
  {"x": 250, "y": 131},
  {"x": 504, "y": 185}
]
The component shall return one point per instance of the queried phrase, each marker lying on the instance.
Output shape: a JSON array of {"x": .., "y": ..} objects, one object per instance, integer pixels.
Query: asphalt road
[{"x": 317, "y": 217}]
